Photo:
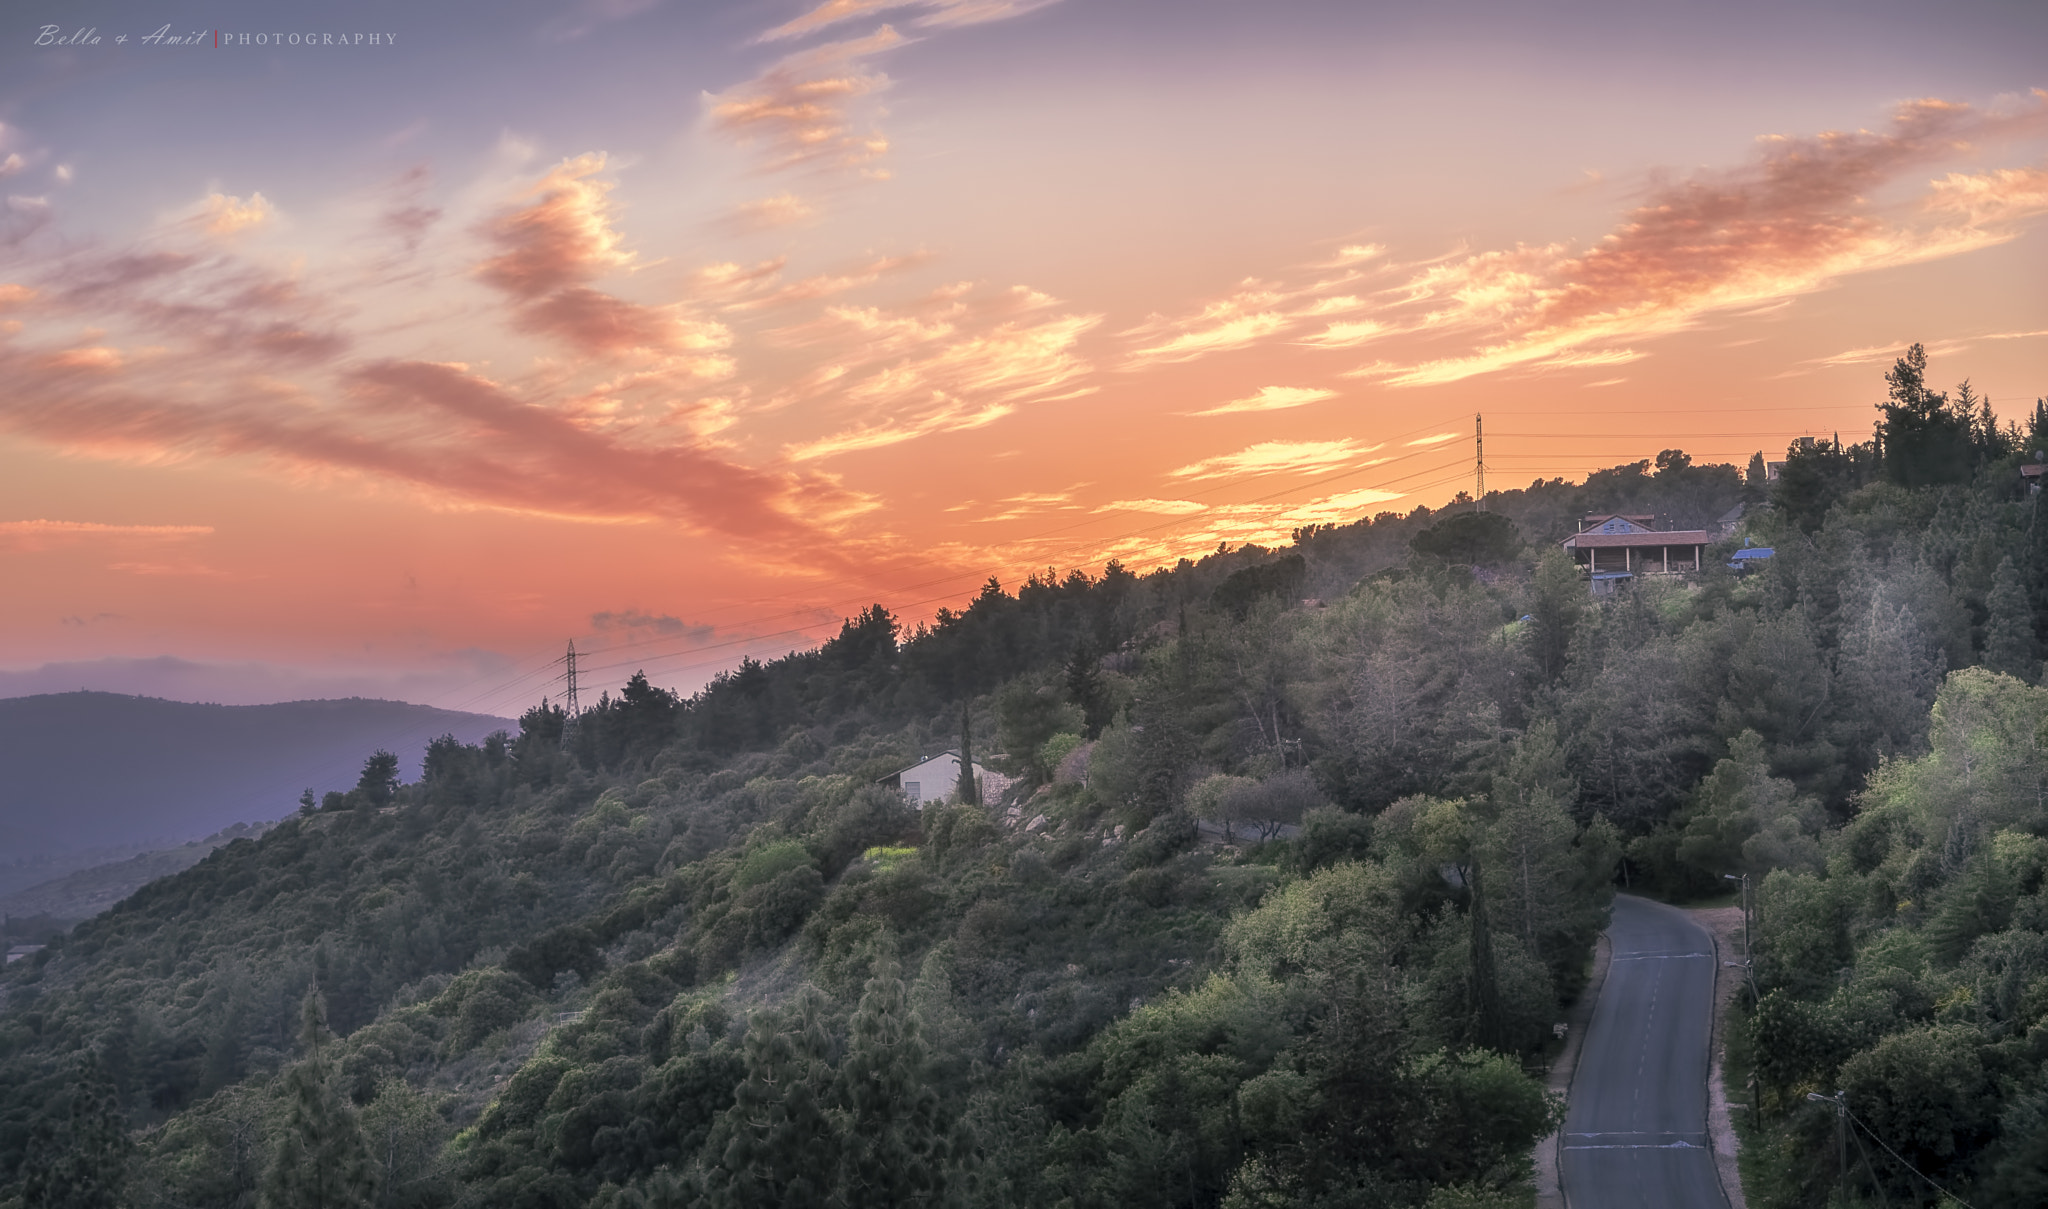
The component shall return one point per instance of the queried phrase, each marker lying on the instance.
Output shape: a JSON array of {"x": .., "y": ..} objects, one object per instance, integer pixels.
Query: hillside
[
  {"x": 99, "y": 770},
  {"x": 696, "y": 955}
]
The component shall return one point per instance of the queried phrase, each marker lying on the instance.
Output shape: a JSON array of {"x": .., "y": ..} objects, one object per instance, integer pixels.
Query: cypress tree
[
  {"x": 894, "y": 1146},
  {"x": 1491, "y": 1025},
  {"x": 970, "y": 793},
  {"x": 323, "y": 1160}
]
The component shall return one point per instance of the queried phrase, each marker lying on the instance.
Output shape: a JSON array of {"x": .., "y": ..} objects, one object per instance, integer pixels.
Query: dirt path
[{"x": 1724, "y": 924}]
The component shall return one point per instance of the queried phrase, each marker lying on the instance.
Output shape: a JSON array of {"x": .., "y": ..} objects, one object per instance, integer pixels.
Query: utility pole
[
  {"x": 1748, "y": 952},
  {"x": 1841, "y": 1135},
  {"x": 569, "y": 698},
  {"x": 1479, "y": 438}
]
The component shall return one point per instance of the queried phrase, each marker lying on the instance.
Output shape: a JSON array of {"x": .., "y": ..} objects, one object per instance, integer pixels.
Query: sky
[{"x": 382, "y": 349}]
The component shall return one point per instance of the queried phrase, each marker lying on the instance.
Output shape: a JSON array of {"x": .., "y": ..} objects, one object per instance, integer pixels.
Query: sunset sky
[{"x": 683, "y": 330}]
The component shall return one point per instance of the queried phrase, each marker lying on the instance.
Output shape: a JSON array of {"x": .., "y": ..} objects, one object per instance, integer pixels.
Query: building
[
  {"x": 937, "y": 779},
  {"x": 1749, "y": 558},
  {"x": 1613, "y": 549}
]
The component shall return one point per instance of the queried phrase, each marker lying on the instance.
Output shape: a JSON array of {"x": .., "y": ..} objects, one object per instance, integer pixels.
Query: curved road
[{"x": 1636, "y": 1129}]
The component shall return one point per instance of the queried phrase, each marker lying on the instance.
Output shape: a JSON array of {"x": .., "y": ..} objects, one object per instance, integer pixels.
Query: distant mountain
[
  {"x": 104, "y": 771},
  {"x": 91, "y": 890}
]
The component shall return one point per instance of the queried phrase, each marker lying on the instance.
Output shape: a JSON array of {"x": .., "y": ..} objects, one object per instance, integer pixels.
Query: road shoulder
[
  {"x": 1549, "y": 1189},
  {"x": 1724, "y": 924}
]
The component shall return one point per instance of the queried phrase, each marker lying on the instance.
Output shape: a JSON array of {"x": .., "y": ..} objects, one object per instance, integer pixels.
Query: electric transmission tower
[
  {"x": 1479, "y": 439},
  {"x": 569, "y": 698}
]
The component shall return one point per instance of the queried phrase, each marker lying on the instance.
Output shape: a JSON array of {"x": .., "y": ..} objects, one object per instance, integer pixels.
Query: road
[{"x": 1636, "y": 1129}]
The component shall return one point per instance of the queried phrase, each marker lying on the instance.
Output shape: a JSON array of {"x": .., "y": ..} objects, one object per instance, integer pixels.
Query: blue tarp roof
[{"x": 1753, "y": 552}]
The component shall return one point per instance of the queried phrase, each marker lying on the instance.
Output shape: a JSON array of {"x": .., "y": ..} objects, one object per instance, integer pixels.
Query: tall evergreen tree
[
  {"x": 323, "y": 1160},
  {"x": 2009, "y": 631},
  {"x": 1926, "y": 441},
  {"x": 1490, "y": 1026},
  {"x": 778, "y": 1145},
  {"x": 894, "y": 1150},
  {"x": 1560, "y": 597},
  {"x": 970, "y": 792}
]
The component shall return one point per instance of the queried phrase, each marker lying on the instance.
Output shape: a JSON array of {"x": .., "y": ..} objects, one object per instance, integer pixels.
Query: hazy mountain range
[{"x": 99, "y": 776}]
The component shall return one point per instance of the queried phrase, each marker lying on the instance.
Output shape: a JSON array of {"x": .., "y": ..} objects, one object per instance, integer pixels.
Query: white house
[{"x": 937, "y": 779}]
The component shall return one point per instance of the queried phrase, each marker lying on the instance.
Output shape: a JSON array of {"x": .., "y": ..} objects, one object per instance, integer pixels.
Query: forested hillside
[{"x": 689, "y": 951}]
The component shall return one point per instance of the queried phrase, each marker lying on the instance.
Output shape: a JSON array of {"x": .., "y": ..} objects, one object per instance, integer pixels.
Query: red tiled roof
[{"x": 1638, "y": 541}]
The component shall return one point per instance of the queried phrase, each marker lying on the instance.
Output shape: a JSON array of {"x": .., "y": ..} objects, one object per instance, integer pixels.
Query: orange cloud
[
  {"x": 222, "y": 215},
  {"x": 798, "y": 109}
]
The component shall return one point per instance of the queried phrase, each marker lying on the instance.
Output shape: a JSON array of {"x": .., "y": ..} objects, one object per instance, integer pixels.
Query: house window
[{"x": 910, "y": 790}]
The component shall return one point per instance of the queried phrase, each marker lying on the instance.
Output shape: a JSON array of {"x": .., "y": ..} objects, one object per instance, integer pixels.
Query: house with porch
[{"x": 1612, "y": 549}]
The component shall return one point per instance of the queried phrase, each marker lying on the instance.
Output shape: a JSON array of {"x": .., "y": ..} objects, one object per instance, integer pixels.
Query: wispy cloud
[
  {"x": 639, "y": 621},
  {"x": 1272, "y": 398},
  {"x": 933, "y": 13},
  {"x": 799, "y": 111},
  {"x": 763, "y": 213},
  {"x": 1804, "y": 214},
  {"x": 1274, "y": 457},
  {"x": 1877, "y": 353},
  {"x": 44, "y": 534},
  {"x": 945, "y": 377},
  {"x": 1239, "y": 321},
  {"x": 1163, "y": 507},
  {"x": 1797, "y": 219},
  {"x": 1346, "y": 335}
]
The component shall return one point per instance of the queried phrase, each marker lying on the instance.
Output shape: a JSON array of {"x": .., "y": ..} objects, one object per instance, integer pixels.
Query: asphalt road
[{"x": 1636, "y": 1128}]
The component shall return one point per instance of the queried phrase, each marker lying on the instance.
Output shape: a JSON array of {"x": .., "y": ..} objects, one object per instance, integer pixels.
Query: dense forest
[{"x": 1302, "y": 853}]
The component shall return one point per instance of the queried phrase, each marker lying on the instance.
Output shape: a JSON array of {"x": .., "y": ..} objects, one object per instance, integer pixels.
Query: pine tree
[
  {"x": 2009, "y": 632},
  {"x": 322, "y": 1161},
  {"x": 778, "y": 1145},
  {"x": 894, "y": 1148}
]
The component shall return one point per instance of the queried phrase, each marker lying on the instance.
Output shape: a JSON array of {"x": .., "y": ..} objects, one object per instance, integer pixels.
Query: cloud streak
[
  {"x": 1277, "y": 457},
  {"x": 1272, "y": 398},
  {"x": 934, "y": 13}
]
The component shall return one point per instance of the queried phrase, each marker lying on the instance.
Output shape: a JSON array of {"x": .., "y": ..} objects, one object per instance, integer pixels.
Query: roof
[
  {"x": 1615, "y": 522},
  {"x": 1638, "y": 541},
  {"x": 2032, "y": 472},
  {"x": 1753, "y": 552}
]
